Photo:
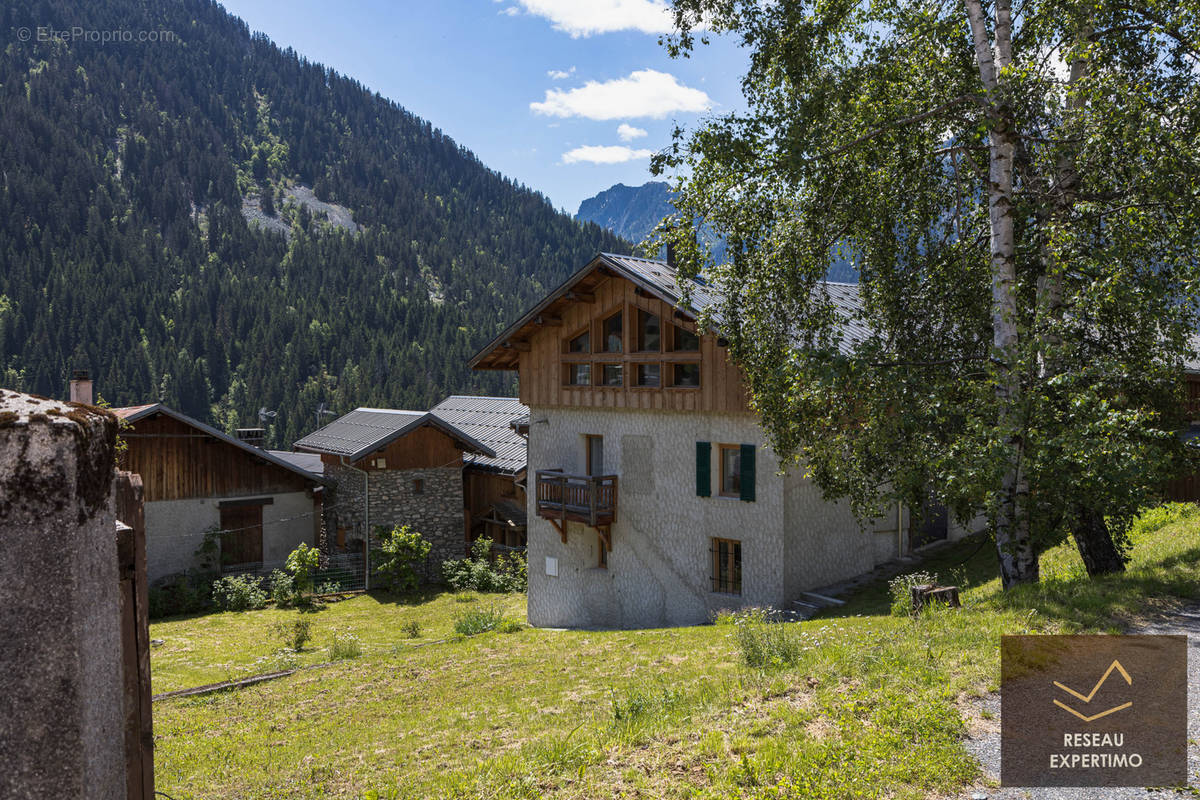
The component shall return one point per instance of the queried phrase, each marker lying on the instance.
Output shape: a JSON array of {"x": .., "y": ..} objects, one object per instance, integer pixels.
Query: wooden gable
[{"x": 425, "y": 447}]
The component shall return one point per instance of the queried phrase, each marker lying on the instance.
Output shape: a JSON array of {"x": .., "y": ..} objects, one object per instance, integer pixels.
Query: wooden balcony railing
[{"x": 589, "y": 499}]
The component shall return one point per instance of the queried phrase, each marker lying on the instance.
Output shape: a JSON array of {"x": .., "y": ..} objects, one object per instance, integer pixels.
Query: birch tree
[{"x": 1019, "y": 189}]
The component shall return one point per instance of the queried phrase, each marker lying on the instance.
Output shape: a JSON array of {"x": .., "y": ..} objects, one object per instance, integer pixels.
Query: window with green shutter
[
  {"x": 747, "y": 473},
  {"x": 703, "y": 469}
]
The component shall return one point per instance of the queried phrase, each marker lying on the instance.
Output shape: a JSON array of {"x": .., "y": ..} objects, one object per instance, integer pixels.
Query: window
[
  {"x": 731, "y": 470},
  {"x": 647, "y": 332},
  {"x": 381, "y": 463},
  {"x": 595, "y": 455},
  {"x": 649, "y": 375},
  {"x": 685, "y": 375},
  {"x": 612, "y": 375},
  {"x": 581, "y": 343},
  {"x": 727, "y": 566},
  {"x": 579, "y": 374},
  {"x": 418, "y": 486},
  {"x": 686, "y": 341},
  {"x": 611, "y": 333}
]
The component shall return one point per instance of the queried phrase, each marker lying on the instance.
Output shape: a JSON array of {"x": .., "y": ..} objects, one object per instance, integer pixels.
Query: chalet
[
  {"x": 450, "y": 473},
  {"x": 198, "y": 479},
  {"x": 655, "y": 499}
]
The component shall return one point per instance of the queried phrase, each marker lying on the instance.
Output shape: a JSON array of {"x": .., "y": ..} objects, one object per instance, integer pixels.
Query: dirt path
[{"x": 983, "y": 727}]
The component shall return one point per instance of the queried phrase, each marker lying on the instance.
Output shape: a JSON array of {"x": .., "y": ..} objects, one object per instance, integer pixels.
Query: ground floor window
[{"x": 727, "y": 566}]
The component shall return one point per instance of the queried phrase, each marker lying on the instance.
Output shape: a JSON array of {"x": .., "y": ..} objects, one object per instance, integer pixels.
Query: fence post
[{"x": 135, "y": 637}]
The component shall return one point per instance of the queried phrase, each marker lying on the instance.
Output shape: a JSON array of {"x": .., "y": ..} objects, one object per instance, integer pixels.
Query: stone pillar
[{"x": 61, "y": 717}]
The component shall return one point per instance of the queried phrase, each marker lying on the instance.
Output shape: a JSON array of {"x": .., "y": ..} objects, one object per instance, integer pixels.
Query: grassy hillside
[{"x": 862, "y": 704}]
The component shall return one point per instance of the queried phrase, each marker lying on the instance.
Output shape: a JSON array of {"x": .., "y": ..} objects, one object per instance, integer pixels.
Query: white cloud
[
  {"x": 510, "y": 11},
  {"x": 588, "y": 17},
  {"x": 559, "y": 74},
  {"x": 604, "y": 154},
  {"x": 645, "y": 93},
  {"x": 627, "y": 133}
]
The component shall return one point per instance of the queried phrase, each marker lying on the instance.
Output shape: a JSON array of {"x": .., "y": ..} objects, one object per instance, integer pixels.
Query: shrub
[
  {"x": 182, "y": 593},
  {"x": 478, "y": 620},
  {"x": 412, "y": 629},
  {"x": 900, "y": 588},
  {"x": 345, "y": 645},
  {"x": 282, "y": 588},
  {"x": 1152, "y": 519},
  {"x": 330, "y": 587},
  {"x": 301, "y": 562},
  {"x": 238, "y": 593},
  {"x": 767, "y": 644},
  {"x": 400, "y": 550},
  {"x": 508, "y": 573},
  {"x": 295, "y": 634}
]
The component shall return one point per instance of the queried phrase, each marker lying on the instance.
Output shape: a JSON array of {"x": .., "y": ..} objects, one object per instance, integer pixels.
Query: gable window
[
  {"x": 649, "y": 375},
  {"x": 581, "y": 343},
  {"x": 685, "y": 340},
  {"x": 685, "y": 375},
  {"x": 731, "y": 470},
  {"x": 727, "y": 566},
  {"x": 611, "y": 333},
  {"x": 612, "y": 375},
  {"x": 648, "y": 338},
  {"x": 579, "y": 374}
]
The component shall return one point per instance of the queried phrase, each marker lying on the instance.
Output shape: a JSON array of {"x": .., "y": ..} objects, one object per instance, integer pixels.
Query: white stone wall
[{"x": 175, "y": 529}]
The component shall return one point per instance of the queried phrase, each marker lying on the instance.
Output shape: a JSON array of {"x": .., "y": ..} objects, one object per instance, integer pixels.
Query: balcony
[{"x": 563, "y": 498}]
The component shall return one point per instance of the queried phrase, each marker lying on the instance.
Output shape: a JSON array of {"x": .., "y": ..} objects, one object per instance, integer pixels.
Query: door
[
  {"x": 933, "y": 525},
  {"x": 241, "y": 540},
  {"x": 595, "y": 455}
]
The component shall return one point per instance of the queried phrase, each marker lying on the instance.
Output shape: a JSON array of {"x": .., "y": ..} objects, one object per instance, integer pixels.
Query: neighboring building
[
  {"x": 198, "y": 479},
  {"x": 390, "y": 467},
  {"x": 493, "y": 486},
  {"x": 626, "y": 393}
]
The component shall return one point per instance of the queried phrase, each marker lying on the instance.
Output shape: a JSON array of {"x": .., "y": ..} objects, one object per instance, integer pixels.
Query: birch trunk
[{"x": 1014, "y": 546}]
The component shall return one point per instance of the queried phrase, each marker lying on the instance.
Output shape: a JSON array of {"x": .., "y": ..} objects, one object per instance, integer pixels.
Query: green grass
[{"x": 866, "y": 705}]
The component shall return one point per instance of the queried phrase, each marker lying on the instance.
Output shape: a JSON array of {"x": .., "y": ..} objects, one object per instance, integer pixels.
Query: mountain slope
[
  {"x": 631, "y": 212},
  {"x": 130, "y": 171}
]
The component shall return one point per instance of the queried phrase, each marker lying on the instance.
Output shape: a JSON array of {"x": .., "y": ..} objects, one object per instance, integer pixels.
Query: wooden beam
[
  {"x": 582, "y": 297},
  {"x": 560, "y": 527},
  {"x": 553, "y": 322},
  {"x": 520, "y": 347}
]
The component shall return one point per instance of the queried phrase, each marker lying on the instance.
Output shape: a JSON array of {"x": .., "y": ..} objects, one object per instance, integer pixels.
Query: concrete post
[{"x": 61, "y": 716}]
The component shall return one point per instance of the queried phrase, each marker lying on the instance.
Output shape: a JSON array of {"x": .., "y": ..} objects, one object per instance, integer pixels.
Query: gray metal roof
[
  {"x": 489, "y": 419},
  {"x": 309, "y": 462},
  {"x": 365, "y": 430}
]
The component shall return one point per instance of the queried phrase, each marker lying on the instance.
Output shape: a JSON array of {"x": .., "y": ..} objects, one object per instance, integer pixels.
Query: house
[
  {"x": 199, "y": 480},
  {"x": 656, "y": 500},
  {"x": 493, "y": 486},
  {"x": 425, "y": 469}
]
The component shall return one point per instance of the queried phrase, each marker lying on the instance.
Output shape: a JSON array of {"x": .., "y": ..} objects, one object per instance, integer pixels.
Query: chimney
[
  {"x": 255, "y": 437},
  {"x": 81, "y": 387}
]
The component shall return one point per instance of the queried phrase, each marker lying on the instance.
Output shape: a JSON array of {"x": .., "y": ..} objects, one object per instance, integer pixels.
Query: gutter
[{"x": 366, "y": 518}]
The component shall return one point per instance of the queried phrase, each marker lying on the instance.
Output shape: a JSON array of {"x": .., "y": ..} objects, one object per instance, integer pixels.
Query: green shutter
[
  {"x": 747, "y": 465},
  {"x": 703, "y": 469}
]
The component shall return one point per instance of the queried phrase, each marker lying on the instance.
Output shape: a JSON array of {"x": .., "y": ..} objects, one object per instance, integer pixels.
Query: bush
[
  {"x": 182, "y": 593},
  {"x": 301, "y": 562},
  {"x": 400, "y": 550},
  {"x": 1152, "y": 519},
  {"x": 767, "y": 644},
  {"x": 412, "y": 629},
  {"x": 238, "y": 593},
  {"x": 330, "y": 587},
  {"x": 508, "y": 573},
  {"x": 282, "y": 588},
  {"x": 345, "y": 645},
  {"x": 478, "y": 620},
  {"x": 295, "y": 634},
  {"x": 900, "y": 588}
]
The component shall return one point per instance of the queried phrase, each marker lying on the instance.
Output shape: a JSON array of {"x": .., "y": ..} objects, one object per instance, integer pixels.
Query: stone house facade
[{"x": 654, "y": 497}]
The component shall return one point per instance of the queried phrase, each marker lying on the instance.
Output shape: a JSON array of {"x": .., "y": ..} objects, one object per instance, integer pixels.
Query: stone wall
[{"x": 61, "y": 711}]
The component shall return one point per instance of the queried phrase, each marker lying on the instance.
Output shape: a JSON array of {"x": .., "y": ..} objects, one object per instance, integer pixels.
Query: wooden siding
[
  {"x": 542, "y": 368},
  {"x": 485, "y": 489},
  {"x": 424, "y": 448},
  {"x": 179, "y": 462}
]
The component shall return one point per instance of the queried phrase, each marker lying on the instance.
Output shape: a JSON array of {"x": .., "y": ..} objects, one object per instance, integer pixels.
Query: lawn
[{"x": 862, "y": 704}]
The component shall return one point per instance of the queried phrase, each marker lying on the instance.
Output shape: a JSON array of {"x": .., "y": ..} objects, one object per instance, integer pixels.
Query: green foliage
[
  {"x": 329, "y": 587},
  {"x": 900, "y": 589},
  {"x": 208, "y": 554},
  {"x": 400, "y": 550},
  {"x": 302, "y": 562},
  {"x": 293, "y": 633},
  {"x": 1159, "y": 517},
  {"x": 507, "y": 572},
  {"x": 125, "y": 210},
  {"x": 184, "y": 593},
  {"x": 345, "y": 645},
  {"x": 478, "y": 620},
  {"x": 411, "y": 629},
  {"x": 282, "y": 588},
  {"x": 764, "y": 643},
  {"x": 238, "y": 593}
]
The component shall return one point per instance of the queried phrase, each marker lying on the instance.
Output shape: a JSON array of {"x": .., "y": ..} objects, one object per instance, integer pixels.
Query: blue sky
[{"x": 565, "y": 96}]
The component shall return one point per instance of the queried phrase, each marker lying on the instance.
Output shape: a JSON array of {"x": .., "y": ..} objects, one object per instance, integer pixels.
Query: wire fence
[{"x": 343, "y": 572}]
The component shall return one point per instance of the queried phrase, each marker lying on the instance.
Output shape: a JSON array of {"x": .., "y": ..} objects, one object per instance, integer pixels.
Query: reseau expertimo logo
[{"x": 1093, "y": 710}]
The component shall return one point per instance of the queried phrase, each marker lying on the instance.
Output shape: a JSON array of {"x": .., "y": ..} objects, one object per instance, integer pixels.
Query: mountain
[
  {"x": 631, "y": 212},
  {"x": 214, "y": 222}
]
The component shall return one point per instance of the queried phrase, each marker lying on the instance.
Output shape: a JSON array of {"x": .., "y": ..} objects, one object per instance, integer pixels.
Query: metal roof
[
  {"x": 489, "y": 419},
  {"x": 365, "y": 430},
  {"x": 134, "y": 413},
  {"x": 309, "y": 462}
]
